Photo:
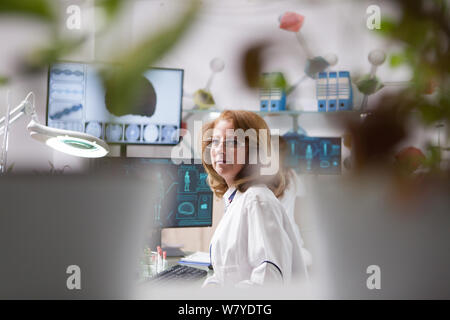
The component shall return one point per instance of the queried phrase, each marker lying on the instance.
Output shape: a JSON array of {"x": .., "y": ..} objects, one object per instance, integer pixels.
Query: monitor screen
[
  {"x": 184, "y": 198},
  {"x": 315, "y": 155},
  {"x": 77, "y": 101}
]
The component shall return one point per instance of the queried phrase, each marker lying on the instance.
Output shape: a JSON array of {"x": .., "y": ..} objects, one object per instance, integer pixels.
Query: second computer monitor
[
  {"x": 78, "y": 100},
  {"x": 313, "y": 155},
  {"x": 184, "y": 198}
]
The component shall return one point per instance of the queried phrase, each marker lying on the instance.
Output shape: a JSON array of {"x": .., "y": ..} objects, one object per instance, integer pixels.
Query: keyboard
[{"x": 178, "y": 273}]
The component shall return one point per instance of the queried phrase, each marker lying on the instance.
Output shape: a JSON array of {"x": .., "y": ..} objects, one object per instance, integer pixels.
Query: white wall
[
  {"x": 225, "y": 28},
  {"x": 222, "y": 29}
]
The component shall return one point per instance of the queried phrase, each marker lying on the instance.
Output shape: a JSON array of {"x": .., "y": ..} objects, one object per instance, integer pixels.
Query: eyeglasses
[{"x": 229, "y": 143}]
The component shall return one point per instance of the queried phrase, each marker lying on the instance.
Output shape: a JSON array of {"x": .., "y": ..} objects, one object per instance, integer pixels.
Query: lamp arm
[
  {"x": 71, "y": 142},
  {"x": 24, "y": 108},
  {"x": 12, "y": 120}
]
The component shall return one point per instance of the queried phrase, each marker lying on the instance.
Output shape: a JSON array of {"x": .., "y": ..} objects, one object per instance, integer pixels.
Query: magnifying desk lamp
[{"x": 71, "y": 142}]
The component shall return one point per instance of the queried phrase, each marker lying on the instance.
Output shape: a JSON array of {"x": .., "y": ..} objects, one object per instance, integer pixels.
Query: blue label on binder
[
  {"x": 264, "y": 106},
  {"x": 322, "y": 104},
  {"x": 322, "y": 91},
  {"x": 332, "y": 91},
  {"x": 345, "y": 95}
]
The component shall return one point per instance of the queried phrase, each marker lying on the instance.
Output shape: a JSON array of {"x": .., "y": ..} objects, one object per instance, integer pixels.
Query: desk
[
  {"x": 171, "y": 261},
  {"x": 174, "y": 290}
]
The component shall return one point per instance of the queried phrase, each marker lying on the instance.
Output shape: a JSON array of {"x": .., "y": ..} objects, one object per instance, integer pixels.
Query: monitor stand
[
  {"x": 174, "y": 252},
  {"x": 155, "y": 240},
  {"x": 123, "y": 150}
]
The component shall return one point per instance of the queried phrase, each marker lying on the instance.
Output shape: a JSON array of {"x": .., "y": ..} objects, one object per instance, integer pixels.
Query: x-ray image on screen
[
  {"x": 184, "y": 198},
  {"x": 315, "y": 155},
  {"x": 78, "y": 101}
]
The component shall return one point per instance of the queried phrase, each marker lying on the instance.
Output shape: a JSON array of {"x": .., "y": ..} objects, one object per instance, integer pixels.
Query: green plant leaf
[
  {"x": 203, "y": 99},
  {"x": 433, "y": 158},
  {"x": 273, "y": 80},
  {"x": 122, "y": 83},
  {"x": 42, "y": 9},
  {"x": 55, "y": 51},
  {"x": 369, "y": 85},
  {"x": 111, "y": 7},
  {"x": 387, "y": 26},
  {"x": 3, "y": 80},
  {"x": 396, "y": 59},
  {"x": 10, "y": 168}
]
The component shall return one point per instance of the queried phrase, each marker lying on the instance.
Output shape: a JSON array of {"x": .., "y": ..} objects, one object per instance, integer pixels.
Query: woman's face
[{"x": 225, "y": 144}]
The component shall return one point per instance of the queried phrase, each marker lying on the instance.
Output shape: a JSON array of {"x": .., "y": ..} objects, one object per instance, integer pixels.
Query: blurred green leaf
[
  {"x": 122, "y": 83},
  {"x": 42, "y": 9},
  {"x": 396, "y": 59},
  {"x": 387, "y": 26},
  {"x": 430, "y": 113},
  {"x": 433, "y": 158},
  {"x": 251, "y": 62},
  {"x": 3, "y": 80},
  {"x": 42, "y": 57},
  {"x": 273, "y": 80},
  {"x": 10, "y": 168},
  {"x": 111, "y": 7},
  {"x": 368, "y": 84},
  {"x": 203, "y": 99}
]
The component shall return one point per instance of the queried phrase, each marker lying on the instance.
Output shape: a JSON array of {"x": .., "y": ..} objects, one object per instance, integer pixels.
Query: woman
[{"x": 254, "y": 242}]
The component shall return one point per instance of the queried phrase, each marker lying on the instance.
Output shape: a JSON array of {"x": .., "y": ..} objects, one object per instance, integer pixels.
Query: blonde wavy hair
[{"x": 250, "y": 173}]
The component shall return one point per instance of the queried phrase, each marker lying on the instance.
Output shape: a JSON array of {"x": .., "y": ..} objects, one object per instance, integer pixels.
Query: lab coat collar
[{"x": 227, "y": 195}]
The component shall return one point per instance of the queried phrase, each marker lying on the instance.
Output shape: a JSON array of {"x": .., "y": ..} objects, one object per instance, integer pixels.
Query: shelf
[
  {"x": 300, "y": 112},
  {"x": 278, "y": 113},
  {"x": 294, "y": 114},
  {"x": 201, "y": 111}
]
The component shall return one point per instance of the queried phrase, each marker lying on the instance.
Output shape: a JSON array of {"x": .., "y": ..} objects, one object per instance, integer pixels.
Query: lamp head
[{"x": 71, "y": 142}]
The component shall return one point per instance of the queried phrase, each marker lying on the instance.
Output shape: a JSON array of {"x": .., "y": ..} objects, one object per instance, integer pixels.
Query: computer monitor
[
  {"x": 77, "y": 100},
  {"x": 184, "y": 198},
  {"x": 314, "y": 155}
]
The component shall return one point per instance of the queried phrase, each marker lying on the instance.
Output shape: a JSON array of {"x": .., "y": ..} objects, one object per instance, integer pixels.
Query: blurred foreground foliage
[
  {"x": 40, "y": 9},
  {"x": 122, "y": 81},
  {"x": 423, "y": 32}
]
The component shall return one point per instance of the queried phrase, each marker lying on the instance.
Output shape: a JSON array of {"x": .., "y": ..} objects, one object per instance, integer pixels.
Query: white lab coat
[
  {"x": 255, "y": 243},
  {"x": 295, "y": 189}
]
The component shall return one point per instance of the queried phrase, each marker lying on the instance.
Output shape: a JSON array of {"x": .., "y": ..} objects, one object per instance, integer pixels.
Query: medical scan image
[{"x": 77, "y": 101}]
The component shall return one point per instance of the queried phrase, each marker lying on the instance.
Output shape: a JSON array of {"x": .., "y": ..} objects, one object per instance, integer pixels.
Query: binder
[
  {"x": 272, "y": 98},
  {"x": 332, "y": 91},
  {"x": 345, "y": 94},
  {"x": 321, "y": 91},
  {"x": 264, "y": 97},
  {"x": 277, "y": 100}
]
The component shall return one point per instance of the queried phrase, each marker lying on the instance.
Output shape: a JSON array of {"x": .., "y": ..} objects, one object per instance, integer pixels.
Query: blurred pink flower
[
  {"x": 410, "y": 158},
  {"x": 291, "y": 21}
]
